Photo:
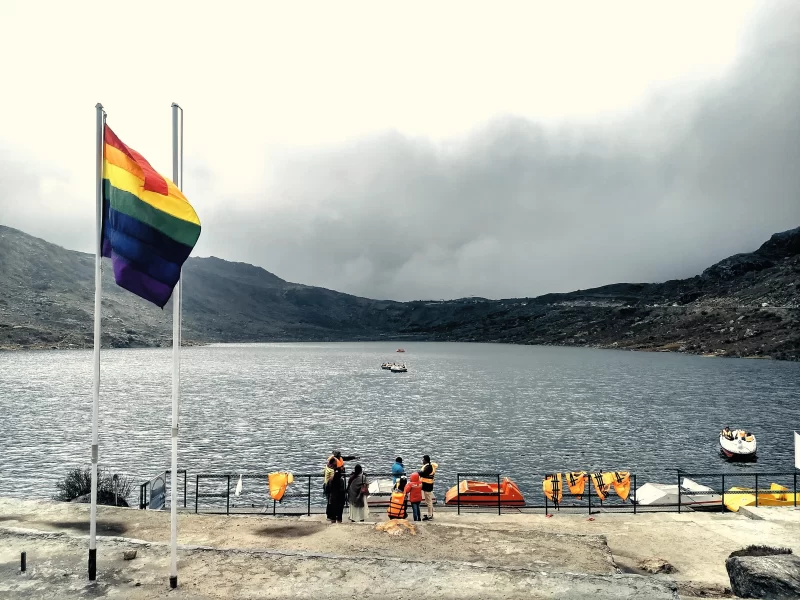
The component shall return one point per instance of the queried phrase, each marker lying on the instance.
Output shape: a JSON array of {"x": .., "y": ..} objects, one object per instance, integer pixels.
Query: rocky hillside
[{"x": 745, "y": 305}]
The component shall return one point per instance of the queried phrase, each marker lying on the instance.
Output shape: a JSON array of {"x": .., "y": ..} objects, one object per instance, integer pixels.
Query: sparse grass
[
  {"x": 757, "y": 550},
  {"x": 78, "y": 482}
]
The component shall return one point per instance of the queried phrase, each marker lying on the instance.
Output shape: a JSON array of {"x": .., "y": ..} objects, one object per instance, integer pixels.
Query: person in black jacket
[
  {"x": 426, "y": 475},
  {"x": 336, "y": 497}
]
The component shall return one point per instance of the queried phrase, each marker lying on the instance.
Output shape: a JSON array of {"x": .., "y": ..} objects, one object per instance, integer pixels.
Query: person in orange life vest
[
  {"x": 414, "y": 493},
  {"x": 336, "y": 460},
  {"x": 397, "y": 508},
  {"x": 426, "y": 475}
]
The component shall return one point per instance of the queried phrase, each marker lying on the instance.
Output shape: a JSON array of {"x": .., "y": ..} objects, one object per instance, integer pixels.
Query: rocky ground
[{"x": 466, "y": 556}]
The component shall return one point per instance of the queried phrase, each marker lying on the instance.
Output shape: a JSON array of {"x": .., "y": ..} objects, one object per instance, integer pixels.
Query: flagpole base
[
  {"x": 92, "y": 564},
  {"x": 173, "y": 581}
]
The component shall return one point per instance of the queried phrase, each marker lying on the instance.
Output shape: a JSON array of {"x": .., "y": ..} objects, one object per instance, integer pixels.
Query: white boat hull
[
  {"x": 738, "y": 448},
  {"x": 691, "y": 494}
]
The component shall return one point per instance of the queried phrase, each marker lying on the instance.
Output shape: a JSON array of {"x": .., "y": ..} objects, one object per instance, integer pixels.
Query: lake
[{"x": 520, "y": 410}]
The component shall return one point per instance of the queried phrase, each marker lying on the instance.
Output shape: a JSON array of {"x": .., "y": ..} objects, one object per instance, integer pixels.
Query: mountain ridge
[{"x": 744, "y": 305}]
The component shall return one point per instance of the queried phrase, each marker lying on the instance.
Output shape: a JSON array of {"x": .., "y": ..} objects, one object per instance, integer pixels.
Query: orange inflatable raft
[{"x": 482, "y": 493}]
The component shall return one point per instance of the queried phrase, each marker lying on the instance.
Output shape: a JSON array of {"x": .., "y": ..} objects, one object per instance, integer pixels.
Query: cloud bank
[{"x": 697, "y": 172}]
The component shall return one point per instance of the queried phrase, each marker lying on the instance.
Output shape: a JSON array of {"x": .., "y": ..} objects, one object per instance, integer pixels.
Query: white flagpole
[
  {"x": 177, "y": 168},
  {"x": 98, "y": 295}
]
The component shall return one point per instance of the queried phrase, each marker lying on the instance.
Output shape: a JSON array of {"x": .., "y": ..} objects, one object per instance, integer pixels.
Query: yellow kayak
[{"x": 781, "y": 497}]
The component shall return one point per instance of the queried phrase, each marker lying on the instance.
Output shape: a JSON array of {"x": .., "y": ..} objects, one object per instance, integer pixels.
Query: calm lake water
[{"x": 520, "y": 410}]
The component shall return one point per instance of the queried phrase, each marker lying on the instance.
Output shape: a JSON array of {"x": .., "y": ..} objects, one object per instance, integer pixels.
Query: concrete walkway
[{"x": 467, "y": 556}]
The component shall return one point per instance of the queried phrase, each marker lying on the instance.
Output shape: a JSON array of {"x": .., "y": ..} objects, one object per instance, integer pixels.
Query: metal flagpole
[
  {"x": 177, "y": 168},
  {"x": 98, "y": 295}
]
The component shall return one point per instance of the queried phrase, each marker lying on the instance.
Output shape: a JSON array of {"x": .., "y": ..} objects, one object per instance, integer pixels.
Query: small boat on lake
[
  {"x": 399, "y": 369},
  {"x": 387, "y": 365},
  {"x": 400, "y": 350},
  {"x": 737, "y": 444},
  {"x": 484, "y": 493},
  {"x": 691, "y": 494}
]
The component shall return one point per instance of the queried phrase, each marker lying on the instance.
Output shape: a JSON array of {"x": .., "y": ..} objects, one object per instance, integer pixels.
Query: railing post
[
  {"x": 228, "y": 498},
  {"x": 458, "y": 491},
  {"x": 680, "y": 498},
  {"x": 589, "y": 488},
  {"x": 498, "y": 494},
  {"x": 756, "y": 489},
  {"x": 273, "y": 507},
  {"x": 634, "y": 492},
  {"x": 795, "y": 489},
  {"x": 309, "y": 495},
  {"x": 185, "y": 476},
  {"x": 196, "y": 491},
  {"x": 722, "y": 506}
]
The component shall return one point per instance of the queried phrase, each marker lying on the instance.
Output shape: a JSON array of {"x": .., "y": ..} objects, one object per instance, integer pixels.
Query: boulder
[
  {"x": 129, "y": 554},
  {"x": 776, "y": 576},
  {"x": 656, "y": 566}
]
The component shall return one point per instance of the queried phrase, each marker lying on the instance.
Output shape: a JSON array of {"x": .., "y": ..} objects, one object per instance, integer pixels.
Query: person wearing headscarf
[{"x": 356, "y": 486}]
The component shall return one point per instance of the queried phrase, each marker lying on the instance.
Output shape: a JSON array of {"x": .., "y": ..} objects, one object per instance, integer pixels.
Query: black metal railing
[
  {"x": 144, "y": 489},
  {"x": 748, "y": 484},
  {"x": 578, "y": 502},
  {"x": 482, "y": 498},
  {"x": 214, "y": 493}
]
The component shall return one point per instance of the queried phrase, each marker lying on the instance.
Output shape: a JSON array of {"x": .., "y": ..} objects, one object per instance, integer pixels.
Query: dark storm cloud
[
  {"x": 520, "y": 208},
  {"x": 517, "y": 208}
]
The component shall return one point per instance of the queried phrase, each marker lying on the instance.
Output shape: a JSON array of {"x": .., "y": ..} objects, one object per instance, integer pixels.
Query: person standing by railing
[
  {"x": 398, "y": 470},
  {"x": 357, "y": 490},
  {"x": 336, "y": 497},
  {"x": 426, "y": 475},
  {"x": 414, "y": 492}
]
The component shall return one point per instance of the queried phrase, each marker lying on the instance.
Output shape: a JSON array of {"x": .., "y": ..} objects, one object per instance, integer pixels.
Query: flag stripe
[
  {"x": 129, "y": 277},
  {"x": 172, "y": 205},
  {"x": 152, "y": 180},
  {"x": 123, "y": 233},
  {"x": 168, "y": 248},
  {"x": 118, "y": 158},
  {"x": 122, "y": 201}
]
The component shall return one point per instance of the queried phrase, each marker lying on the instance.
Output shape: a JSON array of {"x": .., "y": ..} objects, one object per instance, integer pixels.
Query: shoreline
[{"x": 663, "y": 349}]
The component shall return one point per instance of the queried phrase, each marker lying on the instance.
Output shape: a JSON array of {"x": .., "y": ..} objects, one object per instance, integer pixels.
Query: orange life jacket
[
  {"x": 622, "y": 483},
  {"x": 278, "y": 483},
  {"x": 576, "y": 482},
  {"x": 601, "y": 482},
  {"x": 397, "y": 506},
  {"x": 551, "y": 486},
  {"x": 424, "y": 479},
  {"x": 337, "y": 461}
]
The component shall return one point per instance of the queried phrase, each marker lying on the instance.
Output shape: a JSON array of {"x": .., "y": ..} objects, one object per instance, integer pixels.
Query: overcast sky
[{"x": 421, "y": 150}]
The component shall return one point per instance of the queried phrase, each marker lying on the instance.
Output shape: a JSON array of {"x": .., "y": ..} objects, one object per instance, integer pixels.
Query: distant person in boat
[
  {"x": 398, "y": 470},
  {"x": 426, "y": 475},
  {"x": 413, "y": 492},
  {"x": 336, "y": 497},
  {"x": 357, "y": 491}
]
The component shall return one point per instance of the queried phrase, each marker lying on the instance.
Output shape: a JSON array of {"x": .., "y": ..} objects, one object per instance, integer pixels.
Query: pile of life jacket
[{"x": 576, "y": 482}]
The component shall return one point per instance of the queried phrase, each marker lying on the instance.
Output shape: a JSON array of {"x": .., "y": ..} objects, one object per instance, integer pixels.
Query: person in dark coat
[{"x": 336, "y": 497}]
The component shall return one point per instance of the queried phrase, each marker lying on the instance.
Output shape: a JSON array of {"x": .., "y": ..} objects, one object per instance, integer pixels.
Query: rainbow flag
[{"x": 149, "y": 227}]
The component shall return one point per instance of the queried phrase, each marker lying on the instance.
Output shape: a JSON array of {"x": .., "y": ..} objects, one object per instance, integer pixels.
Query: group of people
[{"x": 355, "y": 489}]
